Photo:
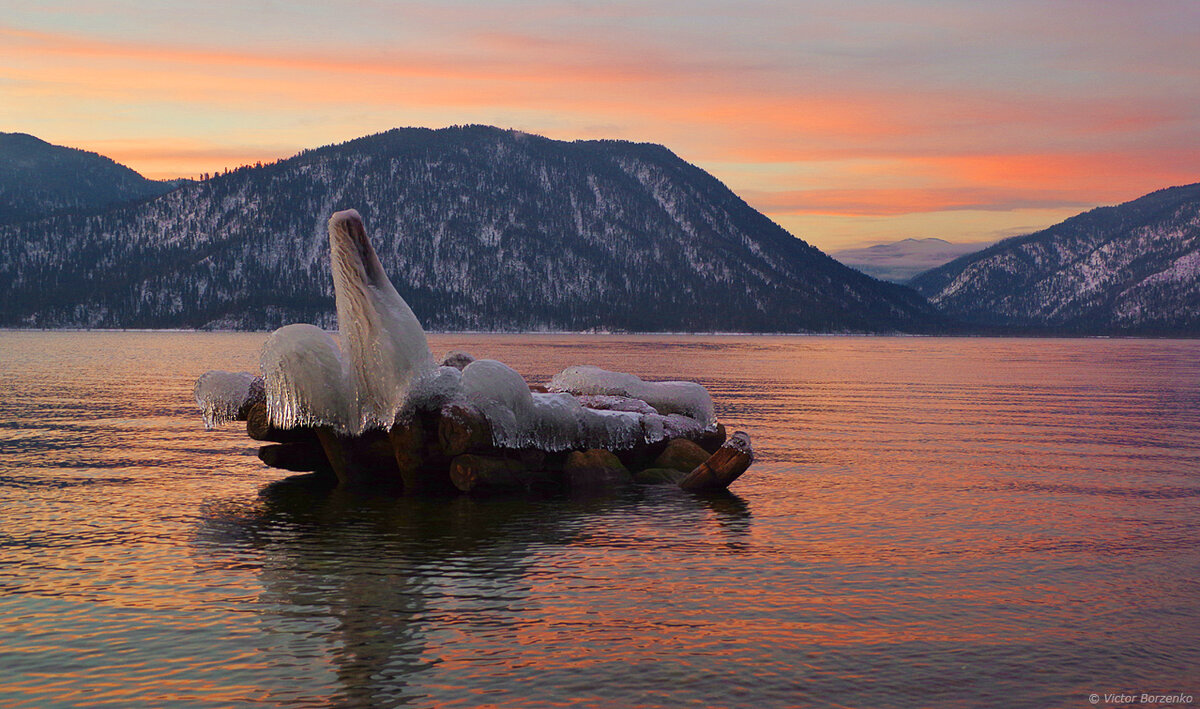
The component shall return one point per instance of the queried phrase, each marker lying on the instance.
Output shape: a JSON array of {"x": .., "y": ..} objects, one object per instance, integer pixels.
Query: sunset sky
[{"x": 848, "y": 123}]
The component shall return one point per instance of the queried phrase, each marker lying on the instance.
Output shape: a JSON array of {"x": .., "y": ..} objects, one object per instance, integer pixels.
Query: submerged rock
[
  {"x": 595, "y": 469},
  {"x": 681, "y": 454}
]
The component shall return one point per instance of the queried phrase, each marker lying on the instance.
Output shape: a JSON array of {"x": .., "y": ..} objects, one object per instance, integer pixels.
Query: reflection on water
[
  {"x": 401, "y": 595},
  {"x": 931, "y": 521}
]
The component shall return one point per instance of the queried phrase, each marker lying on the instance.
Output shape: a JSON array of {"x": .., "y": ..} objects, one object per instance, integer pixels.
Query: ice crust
[
  {"x": 221, "y": 395},
  {"x": 615, "y": 403},
  {"x": 560, "y": 421},
  {"x": 686, "y": 398}
]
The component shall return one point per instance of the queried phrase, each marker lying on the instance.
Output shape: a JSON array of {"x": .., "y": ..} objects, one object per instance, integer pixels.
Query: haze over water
[{"x": 930, "y": 521}]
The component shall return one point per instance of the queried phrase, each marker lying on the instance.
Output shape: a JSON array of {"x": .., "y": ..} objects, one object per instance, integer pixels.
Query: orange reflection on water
[{"x": 923, "y": 512}]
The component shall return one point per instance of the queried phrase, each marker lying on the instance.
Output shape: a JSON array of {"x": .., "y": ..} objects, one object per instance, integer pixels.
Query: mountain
[
  {"x": 899, "y": 261},
  {"x": 478, "y": 228},
  {"x": 37, "y": 178},
  {"x": 1129, "y": 269}
]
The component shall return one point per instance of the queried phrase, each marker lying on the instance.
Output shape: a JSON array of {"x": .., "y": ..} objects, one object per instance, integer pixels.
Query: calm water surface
[{"x": 950, "y": 522}]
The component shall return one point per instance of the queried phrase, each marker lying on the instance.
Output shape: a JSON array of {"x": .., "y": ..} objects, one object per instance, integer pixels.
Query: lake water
[{"x": 930, "y": 521}]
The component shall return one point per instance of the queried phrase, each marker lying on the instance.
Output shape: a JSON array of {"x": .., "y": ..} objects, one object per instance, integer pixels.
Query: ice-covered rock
[
  {"x": 687, "y": 398},
  {"x": 616, "y": 403},
  {"x": 435, "y": 388},
  {"x": 222, "y": 396},
  {"x": 383, "y": 344},
  {"x": 383, "y": 367},
  {"x": 305, "y": 379},
  {"x": 361, "y": 385},
  {"x": 557, "y": 421}
]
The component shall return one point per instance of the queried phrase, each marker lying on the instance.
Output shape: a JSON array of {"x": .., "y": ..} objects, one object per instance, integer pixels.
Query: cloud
[
  {"x": 885, "y": 202},
  {"x": 870, "y": 108}
]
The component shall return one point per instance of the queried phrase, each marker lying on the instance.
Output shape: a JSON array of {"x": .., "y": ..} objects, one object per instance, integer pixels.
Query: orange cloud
[
  {"x": 889, "y": 141},
  {"x": 888, "y": 202}
]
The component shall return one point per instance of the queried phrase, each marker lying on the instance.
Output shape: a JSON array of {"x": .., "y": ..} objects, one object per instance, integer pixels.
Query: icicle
[{"x": 223, "y": 395}]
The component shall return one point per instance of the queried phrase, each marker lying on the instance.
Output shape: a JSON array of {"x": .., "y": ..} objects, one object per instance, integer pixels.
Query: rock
[
  {"x": 257, "y": 394},
  {"x": 481, "y": 474},
  {"x": 366, "y": 460},
  {"x": 723, "y": 467},
  {"x": 462, "y": 428},
  {"x": 595, "y": 469},
  {"x": 681, "y": 454},
  {"x": 407, "y": 438},
  {"x": 712, "y": 440},
  {"x": 304, "y": 457},
  {"x": 659, "y": 476},
  {"x": 258, "y": 428},
  {"x": 457, "y": 359}
]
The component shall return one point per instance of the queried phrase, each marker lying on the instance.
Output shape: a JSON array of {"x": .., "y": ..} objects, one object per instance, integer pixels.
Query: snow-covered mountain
[
  {"x": 479, "y": 228},
  {"x": 899, "y": 261},
  {"x": 37, "y": 178},
  {"x": 1133, "y": 268}
]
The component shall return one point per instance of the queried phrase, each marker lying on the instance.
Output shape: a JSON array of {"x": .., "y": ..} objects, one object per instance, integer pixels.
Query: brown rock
[
  {"x": 462, "y": 428},
  {"x": 307, "y": 456},
  {"x": 481, "y": 474},
  {"x": 258, "y": 428},
  {"x": 457, "y": 359},
  {"x": 723, "y": 467},
  {"x": 659, "y": 476},
  {"x": 681, "y": 454},
  {"x": 257, "y": 394},
  {"x": 595, "y": 469},
  {"x": 366, "y": 460},
  {"x": 407, "y": 439},
  {"x": 712, "y": 440}
]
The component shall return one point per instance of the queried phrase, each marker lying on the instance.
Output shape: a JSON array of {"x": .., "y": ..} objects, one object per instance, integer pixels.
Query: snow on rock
[
  {"x": 503, "y": 397},
  {"x": 740, "y": 442},
  {"x": 680, "y": 426},
  {"x": 687, "y": 398},
  {"x": 222, "y": 395}
]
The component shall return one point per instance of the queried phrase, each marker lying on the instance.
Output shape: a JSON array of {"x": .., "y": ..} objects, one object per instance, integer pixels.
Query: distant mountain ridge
[
  {"x": 899, "y": 261},
  {"x": 479, "y": 228},
  {"x": 37, "y": 178},
  {"x": 1129, "y": 269}
]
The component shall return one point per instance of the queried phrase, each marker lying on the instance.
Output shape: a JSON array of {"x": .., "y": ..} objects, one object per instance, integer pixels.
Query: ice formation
[
  {"x": 306, "y": 379},
  {"x": 383, "y": 367},
  {"x": 383, "y": 344},
  {"x": 310, "y": 381},
  {"x": 222, "y": 395},
  {"x": 686, "y": 398},
  {"x": 520, "y": 418}
]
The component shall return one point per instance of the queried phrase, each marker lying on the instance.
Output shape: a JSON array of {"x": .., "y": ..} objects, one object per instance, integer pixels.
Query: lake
[{"x": 929, "y": 521}]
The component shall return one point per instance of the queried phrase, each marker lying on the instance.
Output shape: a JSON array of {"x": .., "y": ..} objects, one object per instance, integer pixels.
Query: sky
[{"x": 848, "y": 123}]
